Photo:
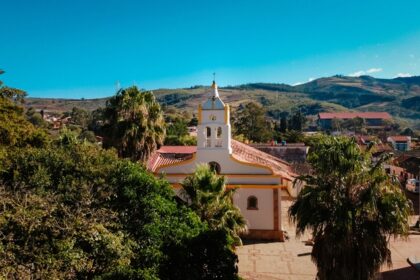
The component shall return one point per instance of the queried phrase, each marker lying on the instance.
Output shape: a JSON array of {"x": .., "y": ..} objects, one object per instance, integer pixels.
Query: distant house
[
  {"x": 372, "y": 119},
  {"x": 400, "y": 143}
]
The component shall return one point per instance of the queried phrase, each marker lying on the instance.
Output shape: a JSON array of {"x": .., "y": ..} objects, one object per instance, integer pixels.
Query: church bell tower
[{"x": 213, "y": 130}]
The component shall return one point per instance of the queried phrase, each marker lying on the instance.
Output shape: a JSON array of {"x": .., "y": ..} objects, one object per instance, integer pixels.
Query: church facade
[{"x": 261, "y": 179}]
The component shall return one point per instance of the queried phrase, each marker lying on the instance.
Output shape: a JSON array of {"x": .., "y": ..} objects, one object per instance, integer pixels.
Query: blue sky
[{"x": 78, "y": 48}]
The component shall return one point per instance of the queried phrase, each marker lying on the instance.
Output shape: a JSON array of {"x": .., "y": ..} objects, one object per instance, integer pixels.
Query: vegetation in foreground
[
  {"x": 352, "y": 208},
  {"x": 72, "y": 210}
]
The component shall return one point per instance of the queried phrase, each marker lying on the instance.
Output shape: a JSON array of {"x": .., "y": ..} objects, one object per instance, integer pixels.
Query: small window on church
[
  {"x": 208, "y": 131},
  {"x": 219, "y": 132},
  {"x": 215, "y": 167},
  {"x": 252, "y": 203}
]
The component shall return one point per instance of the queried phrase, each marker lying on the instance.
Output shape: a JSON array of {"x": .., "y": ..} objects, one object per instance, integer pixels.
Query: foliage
[
  {"x": 11, "y": 93},
  {"x": 296, "y": 121},
  {"x": 207, "y": 195},
  {"x": 36, "y": 118},
  {"x": 356, "y": 124},
  {"x": 207, "y": 248},
  {"x": 80, "y": 117},
  {"x": 87, "y": 135},
  {"x": 71, "y": 210},
  {"x": 133, "y": 124},
  {"x": 250, "y": 121},
  {"x": 15, "y": 130},
  {"x": 187, "y": 140},
  {"x": 351, "y": 207},
  {"x": 177, "y": 128}
]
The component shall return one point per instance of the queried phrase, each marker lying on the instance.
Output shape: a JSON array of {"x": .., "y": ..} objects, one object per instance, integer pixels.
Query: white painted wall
[
  {"x": 262, "y": 218},
  {"x": 246, "y": 180},
  {"x": 227, "y": 164}
]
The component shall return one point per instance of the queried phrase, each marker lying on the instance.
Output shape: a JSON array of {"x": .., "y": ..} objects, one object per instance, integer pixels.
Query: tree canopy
[
  {"x": 208, "y": 196},
  {"x": 351, "y": 207},
  {"x": 72, "y": 210},
  {"x": 133, "y": 124},
  {"x": 251, "y": 123}
]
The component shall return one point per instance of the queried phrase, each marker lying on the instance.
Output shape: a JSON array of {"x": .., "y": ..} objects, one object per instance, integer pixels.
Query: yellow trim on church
[
  {"x": 200, "y": 112},
  {"x": 227, "y": 109}
]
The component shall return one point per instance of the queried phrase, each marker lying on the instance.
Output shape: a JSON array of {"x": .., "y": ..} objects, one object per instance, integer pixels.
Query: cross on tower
[{"x": 214, "y": 76}]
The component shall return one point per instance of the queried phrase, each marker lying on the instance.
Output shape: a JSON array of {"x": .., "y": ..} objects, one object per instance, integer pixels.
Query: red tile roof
[
  {"x": 249, "y": 154},
  {"x": 400, "y": 138},
  {"x": 177, "y": 149},
  {"x": 352, "y": 115},
  {"x": 160, "y": 159},
  {"x": 173, "y": 154}
]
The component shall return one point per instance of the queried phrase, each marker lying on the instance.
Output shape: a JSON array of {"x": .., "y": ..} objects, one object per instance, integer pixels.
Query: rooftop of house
[
  {"x": 174, "y": 154},
  {"x": 352, "y": 115},
  {"x": 399, "y": 138}
]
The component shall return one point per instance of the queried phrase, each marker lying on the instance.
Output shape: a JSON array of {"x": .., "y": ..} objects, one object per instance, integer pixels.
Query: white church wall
[
  {"x": 233, "y": 180},
  {"x": 208, "y": 116},
  {"x": 263, "y": 218},
  {"x": 227, "y": 164}
]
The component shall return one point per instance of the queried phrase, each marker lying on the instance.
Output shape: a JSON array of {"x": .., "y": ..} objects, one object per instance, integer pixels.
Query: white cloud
[
  {"x": 374, "y": 70},
  {"x": 365, "y": 72},
  {"x": 311, "y": 79},
  {"x": 357, "y": 74},
  {"x": 296, "y": 84},
  {"x": 403, "y": 75}
]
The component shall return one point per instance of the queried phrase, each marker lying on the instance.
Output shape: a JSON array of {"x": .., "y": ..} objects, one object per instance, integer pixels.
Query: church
[{"x": 261, "y": 180}]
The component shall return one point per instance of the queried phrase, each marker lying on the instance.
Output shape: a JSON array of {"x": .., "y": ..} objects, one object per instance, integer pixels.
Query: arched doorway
[{"x": 214, "y": 166}]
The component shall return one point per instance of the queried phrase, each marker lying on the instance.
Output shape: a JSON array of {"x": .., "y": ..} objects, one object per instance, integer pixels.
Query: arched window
[
  {"x": 219, "y": 132},
  {"x": 252, "y": 203},
  {"x": 215, "y": 167},
  {"x": 208, "y": 129}
]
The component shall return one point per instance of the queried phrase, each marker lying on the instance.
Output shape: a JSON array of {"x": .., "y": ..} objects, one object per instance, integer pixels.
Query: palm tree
[
  {"x": 352, "y": 208},
  {"x": 207, "y": 195},
  {"x": 134, "y": 124}
]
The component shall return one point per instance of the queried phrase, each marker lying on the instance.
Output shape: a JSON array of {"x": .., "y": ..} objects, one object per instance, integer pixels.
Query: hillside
[{"x": 400, "y": 97}]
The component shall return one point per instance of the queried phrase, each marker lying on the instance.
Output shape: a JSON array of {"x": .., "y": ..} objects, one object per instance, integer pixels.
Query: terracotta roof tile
[
  {"x": 249, "y": 154},
  {"x": 173, "y": 154},
  {"x": 177, "y": 149},
  {"x": 400, "y": 138}
]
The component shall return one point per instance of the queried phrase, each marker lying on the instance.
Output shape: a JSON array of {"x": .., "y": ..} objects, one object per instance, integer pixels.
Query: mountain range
[{"x": 399, "y": 96}]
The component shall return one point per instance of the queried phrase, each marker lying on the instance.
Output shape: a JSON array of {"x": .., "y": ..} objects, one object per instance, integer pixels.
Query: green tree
[
  {"x": 207, "y": 195},
  {"x": 177, "y": 128},
  {"x": 133, "y": 124},
  {"x": 80, "y": 117},
  {"x": 351, "y": 207},
  {"x": 408, "y": 132},
  {"x": 283, "y": 124},
  {"x": 71, "y": 210},
  {"x": 11, "y": 93},
  {"x": 250, "y": 121},
  {"x": 356, "y": 124},
  {"x": 297, "y": 121},
  {"x": 15, "y": 130}
]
